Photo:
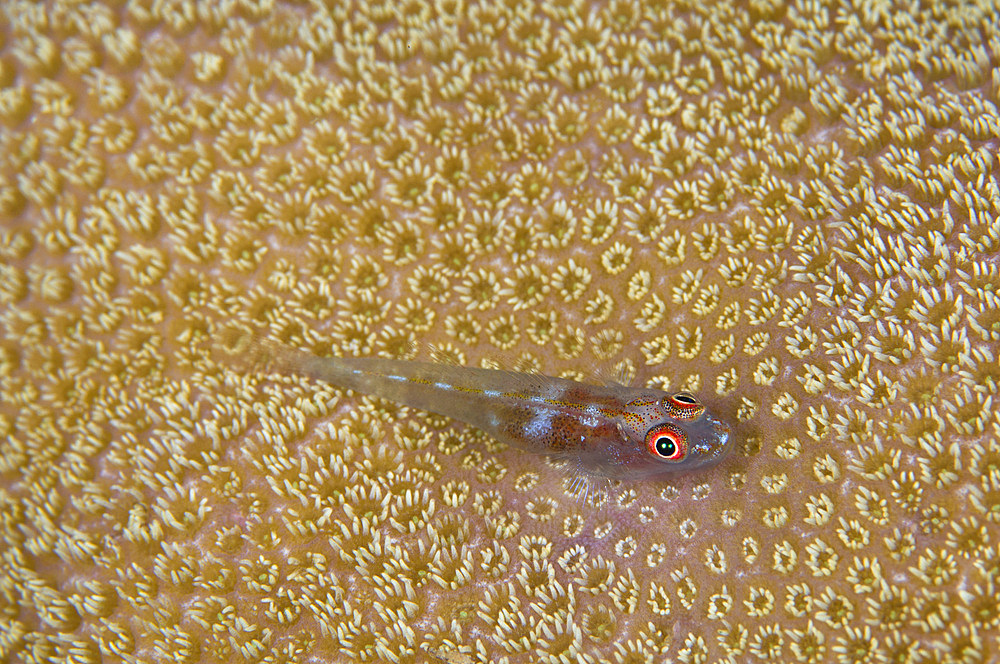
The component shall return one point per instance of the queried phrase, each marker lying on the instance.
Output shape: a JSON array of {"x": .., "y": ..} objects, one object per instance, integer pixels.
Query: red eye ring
[
  {"x": 667, "y": 442},
  {"x": 684, "y": 399},
  {"x": 682, "y": 406}
]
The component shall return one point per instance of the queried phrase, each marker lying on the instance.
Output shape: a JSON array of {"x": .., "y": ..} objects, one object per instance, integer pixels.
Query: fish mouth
[{"x": 722, "y": 433}]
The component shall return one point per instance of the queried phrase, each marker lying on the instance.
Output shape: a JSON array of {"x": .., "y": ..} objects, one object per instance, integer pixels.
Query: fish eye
[
  {"x": 667, "y": 442},
  {"x": 666, "y": 447},
  {"x": 682, "y": 406}
]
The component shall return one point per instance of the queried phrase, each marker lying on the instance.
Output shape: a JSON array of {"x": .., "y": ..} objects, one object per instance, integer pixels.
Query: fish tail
[
  {"x": 248, "y": 352},
  {"x": 252, "y": 354}
]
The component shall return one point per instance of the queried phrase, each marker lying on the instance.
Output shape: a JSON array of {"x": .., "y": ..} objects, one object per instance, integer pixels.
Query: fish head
[{"x": 670, "y": 432}]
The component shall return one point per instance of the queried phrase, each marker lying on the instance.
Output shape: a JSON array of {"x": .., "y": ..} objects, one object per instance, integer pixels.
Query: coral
[{"x": 788, "y": 208}]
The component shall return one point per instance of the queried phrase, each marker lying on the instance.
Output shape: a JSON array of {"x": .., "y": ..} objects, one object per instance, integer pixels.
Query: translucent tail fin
[{"x": 247, "y": 352}]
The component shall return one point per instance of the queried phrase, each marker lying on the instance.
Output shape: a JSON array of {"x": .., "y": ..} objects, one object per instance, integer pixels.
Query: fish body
[{"x": 607, "y": 431}]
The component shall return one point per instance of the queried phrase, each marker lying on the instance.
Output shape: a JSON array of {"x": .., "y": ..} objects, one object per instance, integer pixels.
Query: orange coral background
[{"x": 791, "y": 209}]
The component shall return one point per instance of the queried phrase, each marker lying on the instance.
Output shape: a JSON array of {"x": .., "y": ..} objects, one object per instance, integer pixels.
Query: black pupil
[
  {"x": 683, "y": 398},
  {"x": 666, "y": 447}
]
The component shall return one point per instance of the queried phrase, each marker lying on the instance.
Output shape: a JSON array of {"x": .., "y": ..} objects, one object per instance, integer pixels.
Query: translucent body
[{"x": 608, "y": 431}]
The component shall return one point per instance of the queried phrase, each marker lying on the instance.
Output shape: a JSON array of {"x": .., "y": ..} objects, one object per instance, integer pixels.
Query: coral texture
[{"x": 791, "y": 209}]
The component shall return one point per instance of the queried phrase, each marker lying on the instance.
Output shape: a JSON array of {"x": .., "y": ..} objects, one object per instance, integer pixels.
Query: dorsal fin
[
  {"x": 446, "y": 354},
  {"x": 619, "y": 374}
]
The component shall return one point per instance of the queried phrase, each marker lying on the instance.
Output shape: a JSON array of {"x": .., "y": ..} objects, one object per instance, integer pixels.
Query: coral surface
[{"x": 790, "y": 208}]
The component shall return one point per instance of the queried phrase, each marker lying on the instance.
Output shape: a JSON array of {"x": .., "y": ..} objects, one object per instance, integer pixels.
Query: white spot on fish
[
  {"x": 539, "y": 426},
  {"x": 396, "y": 378},
  {"x": 443, "y": 386},
  {"x": 491, "y": 393}
]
